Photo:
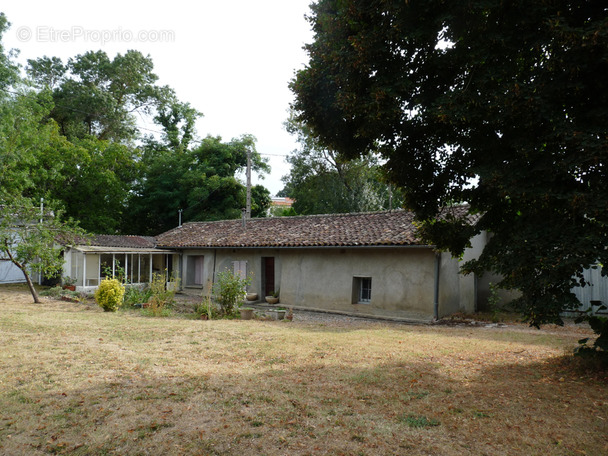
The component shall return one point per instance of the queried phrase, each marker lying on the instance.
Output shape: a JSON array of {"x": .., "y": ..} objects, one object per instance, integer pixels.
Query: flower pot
[
  {"x": 271, "y": 300},
  {"x": 246, "y": 314},
  {"x": 69, "y": 287},
  {"x": 252, "y": 296},
  {"x": 277, "y": 314}
]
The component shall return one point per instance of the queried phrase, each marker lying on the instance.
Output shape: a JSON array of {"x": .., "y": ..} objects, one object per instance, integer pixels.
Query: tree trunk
[
  {"x": 23, "y": 268},
  {"x": 31, "y": 285}
]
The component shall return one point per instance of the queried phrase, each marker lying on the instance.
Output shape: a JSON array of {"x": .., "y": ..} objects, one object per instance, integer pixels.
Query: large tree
[
  {"x": 502, "y": 105},
  {"x": 323, "y": 181},
  {"x": 201, "y": 181},
  {"x": 98, "y": 96}
]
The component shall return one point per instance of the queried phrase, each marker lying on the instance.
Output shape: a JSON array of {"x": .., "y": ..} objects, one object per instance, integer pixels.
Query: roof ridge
[{"x": 291, "y": 217}]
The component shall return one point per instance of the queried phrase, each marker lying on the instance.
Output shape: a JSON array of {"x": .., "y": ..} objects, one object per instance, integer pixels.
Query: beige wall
[{"x": 403, "y": 279}]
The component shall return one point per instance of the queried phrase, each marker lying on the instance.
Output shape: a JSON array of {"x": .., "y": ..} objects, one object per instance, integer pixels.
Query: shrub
[
  {"x": 135, "y": 295},
  {"x": 161, "y": 300},
  {"x": 109, "y": 294},
  {"x": 207, "y": 309},
  {"x": 229, "y": 291}
]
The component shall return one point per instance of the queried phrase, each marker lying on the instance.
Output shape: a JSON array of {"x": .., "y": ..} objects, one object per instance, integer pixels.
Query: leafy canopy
[
  {"x": 322, "y": 181},
  {"x": 498, "y": 104}
]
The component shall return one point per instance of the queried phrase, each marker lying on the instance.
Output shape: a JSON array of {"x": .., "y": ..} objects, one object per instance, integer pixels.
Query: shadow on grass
[{"x": 274, "y": 406}]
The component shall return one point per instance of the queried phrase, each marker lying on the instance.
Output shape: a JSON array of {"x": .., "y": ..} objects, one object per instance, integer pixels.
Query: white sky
[{"x": 231, "y": 60}]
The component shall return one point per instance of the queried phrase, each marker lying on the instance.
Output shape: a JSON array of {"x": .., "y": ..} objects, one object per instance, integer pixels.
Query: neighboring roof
[
  {"x": 283, "y": 202},
  {"x": 111, "y": 240},
  {"x": 393, "y": 228}
]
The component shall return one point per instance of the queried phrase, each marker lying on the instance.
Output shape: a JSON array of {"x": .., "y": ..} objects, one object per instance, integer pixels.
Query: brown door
[{"x": 268, "y": 279}]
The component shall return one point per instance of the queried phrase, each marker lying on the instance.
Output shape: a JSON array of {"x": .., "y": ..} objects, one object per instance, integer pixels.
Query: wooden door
[{"x": 268, "y": 275}]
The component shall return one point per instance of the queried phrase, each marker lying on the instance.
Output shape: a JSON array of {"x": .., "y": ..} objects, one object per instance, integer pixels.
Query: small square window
[{"x": 362, "y": 290}]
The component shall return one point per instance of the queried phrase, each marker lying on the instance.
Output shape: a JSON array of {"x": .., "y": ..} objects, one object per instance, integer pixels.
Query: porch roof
[{"x": 109, "y": 243}]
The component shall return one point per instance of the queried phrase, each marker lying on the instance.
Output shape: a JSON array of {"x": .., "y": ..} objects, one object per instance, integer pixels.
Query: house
[
  {"x": 9, "y": 273},
  {"x": 367, "y": 264},
  {"x": 135, "y": 257}
]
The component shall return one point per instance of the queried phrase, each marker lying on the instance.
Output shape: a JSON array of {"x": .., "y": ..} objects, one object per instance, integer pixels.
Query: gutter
[
  {"x": 294, "y": 247},
  {"x": 436, "y": 285}
]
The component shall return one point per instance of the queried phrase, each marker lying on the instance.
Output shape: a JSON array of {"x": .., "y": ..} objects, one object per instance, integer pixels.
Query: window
[
  {"x": 362, "y": 290},
  {"x": 194, "y": 273}
]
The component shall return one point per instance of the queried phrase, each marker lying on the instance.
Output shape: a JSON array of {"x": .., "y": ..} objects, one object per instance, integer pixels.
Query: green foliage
[
  {"x": 493, "y": 303},
  {"x": 229, "y": 291},
  {"x": 421, "y": 421},
  {"x": 135, "y": 295},
  {"x": 98, "y": 96},
  {"x": 58, "y": 292},
  {"x": 322, "y": 181},
  {"x": 161, "y": 299},
  {"x": 69, "y": 134},
  {"x": 495, "y": 103},
  {"x": 599, "y": 325},
  {"x": 202, "y": 181},
  {"x": 109, "y": 294},
  {"x": 29, "y": 239},
  {"x": 118, "y": 273},
  {"x": 207, "y": 309}
]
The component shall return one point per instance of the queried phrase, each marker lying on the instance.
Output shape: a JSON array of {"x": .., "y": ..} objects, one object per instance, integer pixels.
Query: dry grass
[{"x": 75, "y": 380}]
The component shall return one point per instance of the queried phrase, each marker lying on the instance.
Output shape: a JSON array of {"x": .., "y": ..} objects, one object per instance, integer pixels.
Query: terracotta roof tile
[
  {"x": 361, "y": 229},
  {"x": 110, "y": 240}
]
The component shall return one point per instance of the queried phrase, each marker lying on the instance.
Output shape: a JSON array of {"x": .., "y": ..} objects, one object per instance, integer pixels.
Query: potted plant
[
  {"x": 273, "y": 297},
  {"x": 69, "y": 283},
  {"x": 278, "y": 314},
  {"x": 246, "y": 313}
]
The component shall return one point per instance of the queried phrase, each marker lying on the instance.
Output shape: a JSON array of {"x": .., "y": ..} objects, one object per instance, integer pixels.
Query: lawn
[{"x": 75, "y": 380}]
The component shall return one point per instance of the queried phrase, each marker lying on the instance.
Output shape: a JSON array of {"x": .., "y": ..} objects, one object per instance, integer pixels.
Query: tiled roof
[
  {"x": 110, "y": 240},
  {"x": 361, "y": 229}
]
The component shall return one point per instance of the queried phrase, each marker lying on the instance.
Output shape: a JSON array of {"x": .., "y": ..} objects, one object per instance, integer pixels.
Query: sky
[{"x": 231, "y": 60}]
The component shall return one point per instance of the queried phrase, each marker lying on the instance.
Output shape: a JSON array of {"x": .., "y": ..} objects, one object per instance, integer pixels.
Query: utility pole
[{"x": 248, "y": 207}]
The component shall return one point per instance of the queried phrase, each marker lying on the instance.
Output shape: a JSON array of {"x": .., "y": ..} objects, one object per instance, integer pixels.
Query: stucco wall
[
  {"x": 402, "y": 280},
  {"x": 220, "y": 259}
]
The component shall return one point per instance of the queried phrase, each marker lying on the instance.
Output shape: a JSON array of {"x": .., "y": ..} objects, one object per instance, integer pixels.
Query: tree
[
  {"x": 201, "y": 181},
  {"x": 29, "y": 237},
  {"x": 322, "y": 181},
  {"x": 9, "y": 72},
  {"x": 498, "y": 104},
  {"x": 260, "y": 201},
  {"x": 97, "y": 96}
]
